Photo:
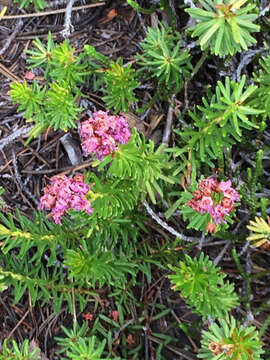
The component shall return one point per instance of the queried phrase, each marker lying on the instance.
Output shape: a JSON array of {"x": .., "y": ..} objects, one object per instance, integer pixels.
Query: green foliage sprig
[
  {"x": 88, "y": 349},
  {"x": 11, "y": 351},
  {"x": 51, "y": 280},
  {"x": 2, "y": 190},
  {"x": 260, "y": 98},
  {"x": 203, "y": 287},
  {"x": 120, "y": 83},
  {"x": 164, "y": 5},
  {"x": 58, "y": 61},
  {"x": 217, "y": 124},
  {"x": 65, "y": 65},
  {"x": 228, "y": 340},
  {"x": 76, "y": 345},
  {"x": 224, "y": 26},
  {"x": 260, "y": 231},
  {"x": 254, "y": 185},
  {"x": 73, "y": 335},
  {"x": 38, "y": 4},
  {"x": 55, "y": 104},
  {"x": 55, "y": 107},
  {"x": 44, "y": 236},
  {"x": 119, "y": 232},
  {"x": 98, "y": 268},
  {"x": 119, "y": 196},
  {"x": 139, "y": 162},
  {"x": 164, "y": 59},
  {"x": 137, "y": 7},
  {"x": 43, "y": 284},
  {"x": 30, "y": 98},
  {"x": 60, "y": 107},
  {"x": 41, "y": 56}
]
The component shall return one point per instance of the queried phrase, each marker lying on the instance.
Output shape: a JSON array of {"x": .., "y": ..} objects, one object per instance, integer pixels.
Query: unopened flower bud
[
  {"x": 197, "y": 195},
  {"x": 211, "y": 228},
  {"x": 78, "y": 177}
]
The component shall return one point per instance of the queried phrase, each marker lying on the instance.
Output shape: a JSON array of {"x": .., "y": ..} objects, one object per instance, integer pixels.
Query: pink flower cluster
[
  {"x": 102, "y": 133},
  {"x": 215, "y": 198},
  {"x": 64, "y": 194}
]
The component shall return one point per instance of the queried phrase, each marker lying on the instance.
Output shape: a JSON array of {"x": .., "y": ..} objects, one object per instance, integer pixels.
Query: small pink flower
[
  {"x": 49, "y": 201},
  {"x": 232, "y": 194},
  {"x": 197, "y": 195},
  {"x": 29, "y": 75},
  {"x": 115, "y": 315},
  {"x": 223, "y": 186},
  {"x": 227, "y": 203},
  {"x": 64, "y": 194},
  {"x": 208, "y": 185},
  {"x": 90, "y": 145},
  {"x": 194, "y": 205},
  {"x": 102, "y": 134},
  {"x": 206, "y": 204},
  {"x": 218, "y": 212}
]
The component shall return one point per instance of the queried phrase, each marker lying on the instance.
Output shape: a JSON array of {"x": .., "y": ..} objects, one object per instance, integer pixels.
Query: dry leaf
[
  {"x": 154, "y": 122},
  {"x": 130, "y": 340},
  {"x": 134, "y": 121},
  {"x": 111, "y": 15}
]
